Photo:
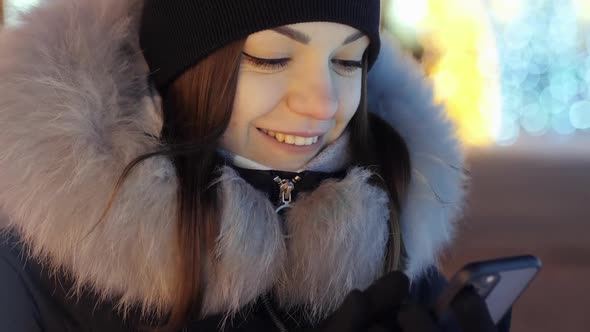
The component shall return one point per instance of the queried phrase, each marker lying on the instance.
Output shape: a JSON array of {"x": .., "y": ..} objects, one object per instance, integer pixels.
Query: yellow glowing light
[
  {"x": 406, "y": 17},
  {"x": 461, "y": 58},
  {"x": 582, "y": 9},
  {"x": 409, "y": 13},
  {"x": 446, "y": 83}
]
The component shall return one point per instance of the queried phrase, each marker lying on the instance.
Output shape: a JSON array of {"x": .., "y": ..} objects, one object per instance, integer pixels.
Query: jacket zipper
[{"x": 286, "y": 188}]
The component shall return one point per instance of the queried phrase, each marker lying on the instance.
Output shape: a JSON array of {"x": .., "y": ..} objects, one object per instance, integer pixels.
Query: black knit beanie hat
[{"x": 176, "y": 34}]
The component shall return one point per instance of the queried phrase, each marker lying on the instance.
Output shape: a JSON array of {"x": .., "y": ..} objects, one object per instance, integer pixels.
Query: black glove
[
  {"x": 468, "y": 313},
  {"x": 365, "y": 311}
]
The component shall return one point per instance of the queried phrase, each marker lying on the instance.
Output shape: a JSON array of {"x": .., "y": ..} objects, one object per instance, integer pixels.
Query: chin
[
  {"x": 291, "y": 167},
  {"x": 285, "y": 164}
]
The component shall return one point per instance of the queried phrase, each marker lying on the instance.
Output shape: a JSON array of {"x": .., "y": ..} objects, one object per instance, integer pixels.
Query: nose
[{"x": 313, "y": 95}]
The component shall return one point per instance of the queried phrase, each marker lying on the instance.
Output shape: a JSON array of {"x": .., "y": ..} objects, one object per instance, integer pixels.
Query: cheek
[
  {"x": 257, "y": 94},
  {"x": 349, "y": 96},
  {"x": 349, "y": 101},
  {"x": 255, "y": 97}
]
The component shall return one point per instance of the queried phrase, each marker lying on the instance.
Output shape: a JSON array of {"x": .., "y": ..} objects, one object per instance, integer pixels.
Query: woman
[{"x": 205, "y": 165}]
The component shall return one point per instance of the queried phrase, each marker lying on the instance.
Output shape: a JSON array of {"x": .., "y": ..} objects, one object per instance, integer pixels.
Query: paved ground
[{"x": 536, "y": 203}]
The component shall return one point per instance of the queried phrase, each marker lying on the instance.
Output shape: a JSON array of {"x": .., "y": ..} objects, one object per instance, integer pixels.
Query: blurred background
[{"x": 515, "y": 77}]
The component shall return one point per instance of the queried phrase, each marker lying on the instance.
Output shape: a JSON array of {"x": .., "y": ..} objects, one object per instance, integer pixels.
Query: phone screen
[{"x": 507, "y": 288}]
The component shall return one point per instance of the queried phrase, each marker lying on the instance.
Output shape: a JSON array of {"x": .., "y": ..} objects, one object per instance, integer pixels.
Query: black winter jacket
[{"x": 33, "y": 301}]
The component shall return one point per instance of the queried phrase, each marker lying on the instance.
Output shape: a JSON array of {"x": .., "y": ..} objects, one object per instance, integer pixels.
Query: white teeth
[
  {"x": 290, "y": 139},
  {"x": 299, "y": 141}
]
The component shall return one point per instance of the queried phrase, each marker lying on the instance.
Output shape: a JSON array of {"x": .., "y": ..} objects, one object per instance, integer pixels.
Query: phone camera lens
[
  {"x": 490, "y": 279},
  {"x": 485, "y": 284}
]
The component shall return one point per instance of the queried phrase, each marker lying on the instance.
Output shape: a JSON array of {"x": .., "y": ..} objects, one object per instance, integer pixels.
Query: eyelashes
[
  {"x": 346, "y": 67},
  {"x": 349, "y": 65},
  {"x": 267, "y": 64}
]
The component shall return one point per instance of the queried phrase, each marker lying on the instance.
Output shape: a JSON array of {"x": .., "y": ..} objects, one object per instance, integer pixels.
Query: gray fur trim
[
  {"x": 75, "y": 108},
  {"x": 250, "y": 250},
  {"x": 73, "y": 113},
  {"x": 342, "y": 222},
  {"x": 399, "y": 93},
  {"x": 337, "y": 238}
]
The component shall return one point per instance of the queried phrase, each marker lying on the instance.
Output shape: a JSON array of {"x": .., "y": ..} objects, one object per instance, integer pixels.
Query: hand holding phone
[{"x": 499, "y": 282}]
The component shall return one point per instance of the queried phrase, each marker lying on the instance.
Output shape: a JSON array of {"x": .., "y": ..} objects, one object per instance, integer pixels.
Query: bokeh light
[
  {"x": 562, "y": 124},
  {"x": 506, "y": 68},
  {"x": 460, "y": 55},
  {"x": 580, "y": 115},
  {"x": 12, "y": 8},
  {"x": 506, "y": 10},
  {"x": 582, "y": 9},
  {"x": 408, "y": 13},
  {"x": 544, "y": 65}
]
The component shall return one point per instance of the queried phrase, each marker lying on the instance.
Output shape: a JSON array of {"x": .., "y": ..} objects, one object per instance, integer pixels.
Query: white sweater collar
[{"x": 334, "y": 157}]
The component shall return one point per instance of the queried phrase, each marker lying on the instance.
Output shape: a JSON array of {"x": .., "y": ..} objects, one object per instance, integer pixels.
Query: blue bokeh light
[{"x": 545, "y": 70}]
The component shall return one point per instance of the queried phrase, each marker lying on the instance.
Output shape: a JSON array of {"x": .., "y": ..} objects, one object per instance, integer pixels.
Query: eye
[
  {"x": 347, "y": 67},
  {"x": 266, "y": 64}
]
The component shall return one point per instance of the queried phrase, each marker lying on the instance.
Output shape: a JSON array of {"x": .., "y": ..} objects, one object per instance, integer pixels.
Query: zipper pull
[{"x": 286, "y": 187}]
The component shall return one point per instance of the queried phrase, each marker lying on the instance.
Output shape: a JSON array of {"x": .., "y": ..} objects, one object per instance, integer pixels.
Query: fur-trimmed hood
[{"x": 75, "y": 108}]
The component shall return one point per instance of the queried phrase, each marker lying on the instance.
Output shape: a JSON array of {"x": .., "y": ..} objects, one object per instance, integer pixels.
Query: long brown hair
[
  {"x": 197, "y": 108},
  {"x": 377, "y": 146}
]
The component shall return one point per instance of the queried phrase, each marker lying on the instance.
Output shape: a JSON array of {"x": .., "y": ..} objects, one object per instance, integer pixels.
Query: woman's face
[{"x": 299, "y": 85}]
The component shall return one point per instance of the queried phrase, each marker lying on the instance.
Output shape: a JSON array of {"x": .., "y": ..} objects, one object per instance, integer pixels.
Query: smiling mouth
[{"x": 290, "y": 139}]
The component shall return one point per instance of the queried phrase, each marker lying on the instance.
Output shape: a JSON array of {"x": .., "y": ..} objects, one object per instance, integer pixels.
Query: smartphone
[{"x": 499, "y": 282}]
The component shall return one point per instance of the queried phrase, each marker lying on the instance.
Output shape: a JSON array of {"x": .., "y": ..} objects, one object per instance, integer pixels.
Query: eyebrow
[{"x": 305, "y": 39}]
